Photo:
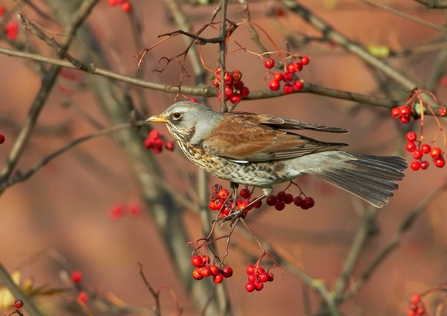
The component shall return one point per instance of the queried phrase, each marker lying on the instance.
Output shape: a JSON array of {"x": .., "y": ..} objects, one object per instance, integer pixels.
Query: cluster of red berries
[
  {"x": 282, "y": 198},
  {"x": 257, "y": 277},
  {"x": 204, "y": 269},
  {"x": 154, "y": 141},
  {"x": 287, "y": 76},
  {"x": 118, "y": 211},
  {"x": 403, "y": 113},
  {"x": 234, "y": 86},
  {"x": 11, "y": 30},
  {"x": 418, "y": 150},
  {"x": 18, "y": 304},
  {"x": 416, "y": 306},
  {"x": 2, "y": 138},
  {"x": 125, "y": 5},
  {"x": 220, "y": 201}
]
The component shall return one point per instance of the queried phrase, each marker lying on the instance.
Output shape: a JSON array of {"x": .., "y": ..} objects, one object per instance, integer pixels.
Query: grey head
[{"x": 188, "y": 121}]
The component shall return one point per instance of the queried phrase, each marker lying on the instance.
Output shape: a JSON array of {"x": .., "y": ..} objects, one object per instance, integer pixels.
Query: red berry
[
  {"x": 420, "y": 310},
  {"x": 235, "y": 98},
  {"x": 83, "y": 297},
  {"x": 410, "y": 147},
  {"x": 223, "y": 194},
  {"x": 287, "y": 77},
  {"x": 216, "y": 83},
  {"x": 417, "y": 154},
  {"x": 271, "y": 200},
  {"x": 169, "y": 145},
  {"x": 258, "y": 204},
  {"x": 280, "y": 195},
  {"x": 309, "y": 201},
  {"x": 415, "y": 165},
  {"x": 435, "y": 152},
  {"x": 205, "y": 260},
  {"x": 18, "y": 304},
  {"x": 263, "y": 277},
  {"x": 288, "y": 88},
  {"x": 298, "y": 85},
  {"x": 227, "y": 272},
  {"x": 196, "y": 261},
  {"x": 298, "y": 66},
  {"x": 278, "y": 76},
  {"x": 244, "y": 91},
  {"x": 305, "y": 60},
  {"x": 249, "y": 287},
  {"x": 11, "y": 30},
  {"x": 250, "y": 269},
  {"x": 237, "y": 75},
  {"x": 405, "y": 111},
  {"x": 405, "y": 120},
  {"x": 76, "y": 276},
  {"x": 244, "y": 193},
  {"x": 2, "y": 138},
  {"x": 125, "y": 6},
  {"x": 218, "y": 278},
  {"x": 411, "y": 312},
  {"x": 274, "y": 85},
  {"x": 424, "y": 164},
  {"x": 288, "y": 198},
  {"x": 2, "y": 11},
  {"x": 411, "y": 136},
  {"x": 116, "y": 212},
  {"x": 440, "y": 162},
  {"x": 426, "y": 148},
  {"x": 415, "y": 298},
  {"x": 280, "y": 205},
  {"x": 259, "y": 286},
  {"x": 113, "y": 2},
  {"x": 269, "y": 63},
  {"x": 252, "y": 278},
  {"x": 291, "y": 68},
  {"x": 228, "y": 79},
  {"x": 216, "y": 188},
  {"x": 298, "y": 200},
  {"x": 193, "y": 100},
  {"x": 154, "y": 134},
  {"x": 271, "y": 277},
  {"x": 214, "y": 270},
  {"x": 212, "y": 206},
  {"x": 197, "y": 275},
  {"x": 261, "y": 269},
  {"x": 205, "y": 271},
  {"x": 238, "y": 85},
  {"x": 395, "y": 112}
]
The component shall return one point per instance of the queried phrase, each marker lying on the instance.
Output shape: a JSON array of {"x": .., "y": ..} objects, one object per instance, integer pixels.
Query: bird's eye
[{"x": 177, "y": 115}]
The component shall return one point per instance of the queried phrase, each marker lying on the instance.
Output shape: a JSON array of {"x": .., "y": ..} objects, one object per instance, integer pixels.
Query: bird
[{"x": 261, "y": 150}]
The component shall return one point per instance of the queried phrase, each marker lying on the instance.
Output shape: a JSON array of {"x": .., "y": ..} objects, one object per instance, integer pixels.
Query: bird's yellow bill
[{"x": 156, "y": 119}]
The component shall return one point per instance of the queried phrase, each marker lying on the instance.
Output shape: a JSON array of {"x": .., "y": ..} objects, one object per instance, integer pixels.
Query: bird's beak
[{"x": 156, "y": 119}]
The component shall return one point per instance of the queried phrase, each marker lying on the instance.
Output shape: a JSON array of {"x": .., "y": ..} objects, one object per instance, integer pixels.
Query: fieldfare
[{"x": 257, "y": 150}]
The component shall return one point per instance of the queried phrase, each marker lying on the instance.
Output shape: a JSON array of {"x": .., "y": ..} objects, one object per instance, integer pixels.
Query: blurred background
[{"x": 59, "y": 219}]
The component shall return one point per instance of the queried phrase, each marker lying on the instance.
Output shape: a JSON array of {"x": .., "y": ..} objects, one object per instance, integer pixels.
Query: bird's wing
[
  {"x": 286, "y": 123},
  {"x": 243, "y": 137}
]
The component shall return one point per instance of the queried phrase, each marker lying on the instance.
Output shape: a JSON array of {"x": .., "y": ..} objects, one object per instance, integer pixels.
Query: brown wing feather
[
  {"x": 244, "y": 137},
  {"x": 286, "y": 123}
]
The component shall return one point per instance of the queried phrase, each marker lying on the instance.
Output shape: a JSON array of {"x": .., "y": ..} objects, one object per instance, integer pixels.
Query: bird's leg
[
  {"x": 242, "y": 212},
  {"x": 234, "y": 186}
]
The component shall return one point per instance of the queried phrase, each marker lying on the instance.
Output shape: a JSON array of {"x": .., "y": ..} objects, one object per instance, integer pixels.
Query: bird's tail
[{"x": 371, "y": 178}]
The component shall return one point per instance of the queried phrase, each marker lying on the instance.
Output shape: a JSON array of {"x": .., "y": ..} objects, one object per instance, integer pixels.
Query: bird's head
[{"x": 188, "y": 121}]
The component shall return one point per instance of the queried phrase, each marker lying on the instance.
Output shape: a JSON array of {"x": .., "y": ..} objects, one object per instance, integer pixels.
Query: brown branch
[
  {"x": 42, "y": 96},
  {"x": 394, "y": 243},
  {"x": 18, "y": 293}
]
